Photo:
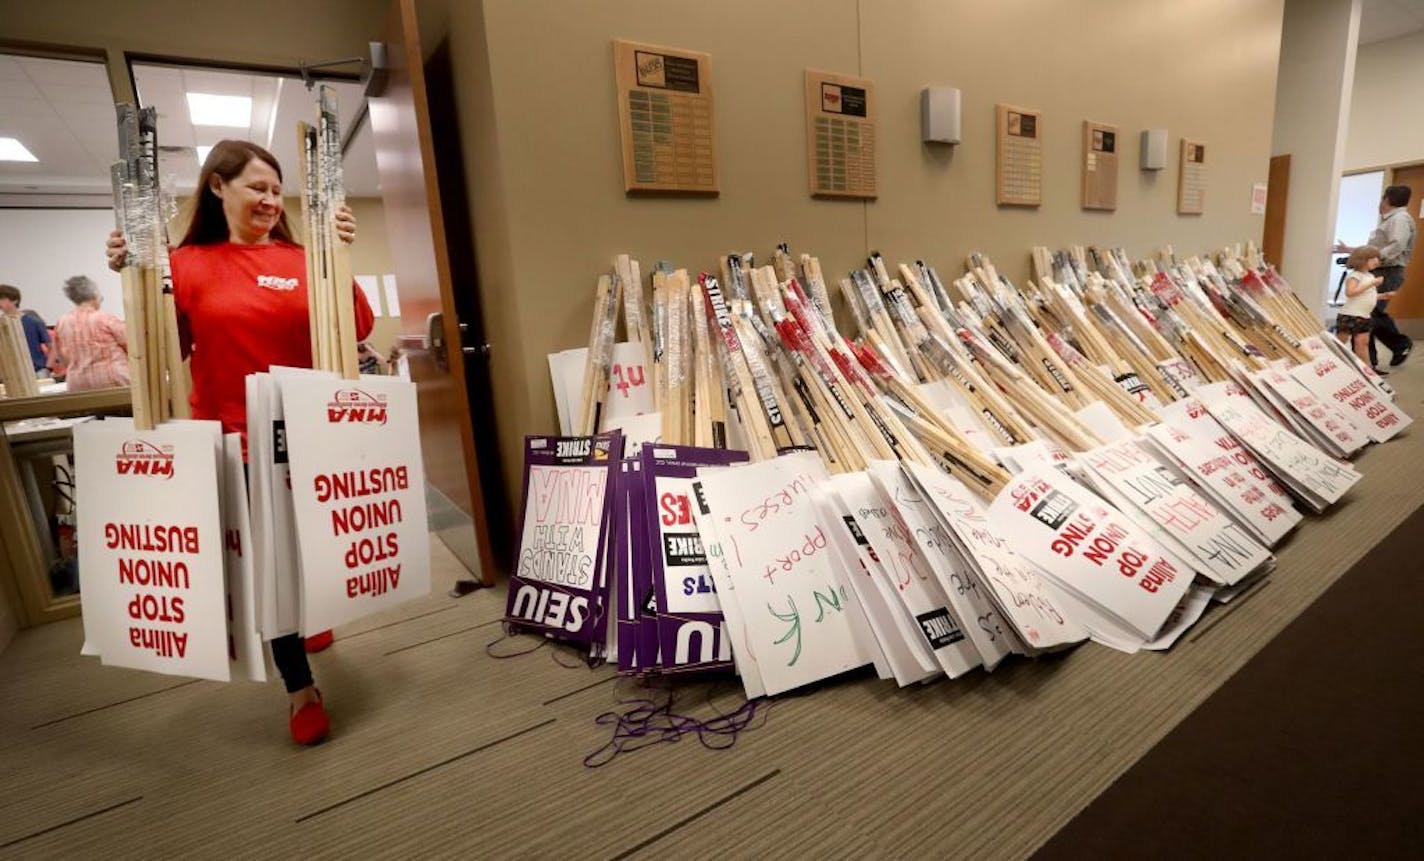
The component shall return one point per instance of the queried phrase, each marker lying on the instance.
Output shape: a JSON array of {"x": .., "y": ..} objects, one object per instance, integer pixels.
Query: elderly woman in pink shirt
[{"x": 92, "y": 344}]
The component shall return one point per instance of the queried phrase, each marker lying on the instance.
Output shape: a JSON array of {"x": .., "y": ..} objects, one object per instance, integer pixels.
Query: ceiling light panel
[{"x": 207, "y": 109}]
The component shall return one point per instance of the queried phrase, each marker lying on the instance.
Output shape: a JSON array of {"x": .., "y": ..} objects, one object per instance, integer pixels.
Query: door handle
[{"x": 435, "y": 339}]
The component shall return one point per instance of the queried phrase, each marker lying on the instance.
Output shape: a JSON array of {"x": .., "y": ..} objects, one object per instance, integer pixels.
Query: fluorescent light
[
  {"x": 206, "y": 109},
  {"x": 13, "y": 150},
  {"x": 203, "y": 154}
]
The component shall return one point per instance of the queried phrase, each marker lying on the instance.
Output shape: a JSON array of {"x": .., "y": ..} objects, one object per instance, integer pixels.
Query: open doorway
[{"x": 1357, "y": 215}]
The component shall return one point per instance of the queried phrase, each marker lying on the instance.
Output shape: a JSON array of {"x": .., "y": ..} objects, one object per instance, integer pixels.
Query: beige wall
[
  {"x": 1311, "y": 112},
  {"x": 538, "y": 123},
  {"x": 1386, "y": 121}
]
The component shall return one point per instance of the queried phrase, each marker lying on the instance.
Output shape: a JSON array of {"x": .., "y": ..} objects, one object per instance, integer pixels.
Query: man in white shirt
[{"x": 1394, "y": 237}]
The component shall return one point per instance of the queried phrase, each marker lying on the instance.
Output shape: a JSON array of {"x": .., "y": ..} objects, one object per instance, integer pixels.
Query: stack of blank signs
[
  {"x": 1226, "y": 473},
  {"x": 1032, "y": 608},
  {"x": 1314, "y": 477},
  {"x": 797, "y": 617},
  {"x": 275, "y": 555},
  {"x": 1134, "y": 478},
  {"x": 1333, "y": 382},
  {"x": 151, "y": 545},
  {"x": 1121, "y": 585},
  {"x": 691, "y": 631}
]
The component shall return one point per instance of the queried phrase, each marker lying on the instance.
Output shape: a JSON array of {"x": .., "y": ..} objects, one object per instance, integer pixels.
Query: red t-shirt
[{"x": 241, "y": 310}]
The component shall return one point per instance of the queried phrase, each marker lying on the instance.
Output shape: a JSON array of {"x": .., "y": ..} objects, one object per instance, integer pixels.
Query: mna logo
[
  {"x": 138, "y": 457},
  {"x": 276, "y": 282},
  {"x": 356, "y": 406}
]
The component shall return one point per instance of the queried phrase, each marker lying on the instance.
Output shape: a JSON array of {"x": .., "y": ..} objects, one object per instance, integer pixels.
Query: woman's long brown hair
[{"x": 227, "y": 160}]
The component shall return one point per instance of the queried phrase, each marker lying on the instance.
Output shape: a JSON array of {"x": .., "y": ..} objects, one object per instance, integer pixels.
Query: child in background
[{"x": 1352, "y": 325}]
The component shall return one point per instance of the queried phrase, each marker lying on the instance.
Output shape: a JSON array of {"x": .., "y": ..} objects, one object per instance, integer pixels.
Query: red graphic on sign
[
  {"x": 138, "y": 457},
  {"x": 356, "y": 406}
]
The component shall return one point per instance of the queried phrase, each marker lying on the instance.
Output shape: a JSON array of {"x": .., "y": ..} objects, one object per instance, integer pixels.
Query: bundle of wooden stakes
[
  {"x": 158, "y": 379},
  {"x": 16, "y": 370},
  {"x": 329, "y": 296}
]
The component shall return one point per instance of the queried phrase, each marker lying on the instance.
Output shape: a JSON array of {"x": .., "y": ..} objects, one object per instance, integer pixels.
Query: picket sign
[
  {"x": 559, "y": 587},
  {"x": 1328, "y": 424},
  {"x": 1134, "y": 479},
  {"x": 1102, "y": 421},
  {"x": 1183, "y": 616},
  {"x": 151, "y": 546},
  {"x": 245, "y": 649},
  {"x": 907, "y": 576},
  {"x": 1179, "y": 374},
  {"x": 968, "y": 600},
  {"x": 630, "y": 389},
  {"x": 744, "y": 655},
  {"x": 895, "y": 649},
  {"x": 776, "y": 552},
  {"x": 1317, "y": 479},
  {"x": 1020, "y": 594},
  {"x": 1332, "y": 382},
  {"x": 277, "y": 558},
  {"x": 1090, "y": 550},
  {"x": 1215, "y": 461},
  {"x": 1326, "y": 344},
  {"x": 691, "y": 633},
  {"x": 358, "y": 494},
  {"x": 627, "y": 491}
]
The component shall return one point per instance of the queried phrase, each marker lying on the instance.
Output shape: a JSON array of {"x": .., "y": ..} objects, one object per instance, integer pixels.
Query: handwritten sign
[
  {"x": 1318, "y": 479},
  {"x": 1216, "y": 462},
  {"x": 1014, "y": 585},
  {"x": 897, "y": 650},
  {"x": 1331, "y": 381},
  {"x": 358, "y": 493},
  {"x": 776, "y": 551},
  {"x": 1090, "y": 549},
  {"x": 691, "y": 630},
  {"x": 557, "y": 587},
  {"x": 733, "y": 613},
  {"x": 151, "y": 546},
  {"x": 913, "y": 583},
  {"x": 630, "y": 385},
  {"x": 1214, "y": 544},
  {"x": 1179, "y": 374},
  {"x": 968, "y": 597},
  {"x": 1328, "y": 422}
]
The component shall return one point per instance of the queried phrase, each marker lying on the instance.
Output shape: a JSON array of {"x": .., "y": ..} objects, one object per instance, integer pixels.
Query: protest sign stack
[
  {"x": 194, "y": 557},
  {"x": 964, "y": 472}
]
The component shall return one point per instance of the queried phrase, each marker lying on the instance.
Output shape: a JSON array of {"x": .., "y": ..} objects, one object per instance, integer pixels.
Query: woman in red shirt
[{"x": 239, "y": 285}]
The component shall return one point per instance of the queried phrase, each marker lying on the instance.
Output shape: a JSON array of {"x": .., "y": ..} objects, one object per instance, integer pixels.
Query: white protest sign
[
  {"x": 1089, "y": 548},
  {"x": 630, "y": 385},
  {"x": 732, "y": 610},
  {"x": 776, "y": 551},
  {"x": 1328, "y": 420},
  {"x": 1328, "y": 379},
  {"x": 1180, "y": 375},
  {"x": 1102, "y": 421},
  {"x": 914, "y": 585},
  {"x": 244, "y": 640},
  {"x": 358, "y": 488},
  {"x": 1215, "y": 544},
  {"x": 150, "y": 543},
  {"x": 1215, "y": 460},
  {"x": 1018, "y": 591},
  {"x": 1321, "y": 479},
  {"x": 892, "y": 651},
  {"x": 1184, "y": 615},
  {"x": 981, "y": 621}
]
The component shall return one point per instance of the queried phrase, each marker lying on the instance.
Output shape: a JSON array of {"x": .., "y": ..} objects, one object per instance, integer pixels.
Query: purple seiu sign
[
  {"x": 559, "y": 587},
  {"x": 691, "y": 631}
]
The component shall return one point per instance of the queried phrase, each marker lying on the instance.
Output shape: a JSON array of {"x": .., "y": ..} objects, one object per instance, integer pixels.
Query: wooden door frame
[{"x": 408, "y": 58}]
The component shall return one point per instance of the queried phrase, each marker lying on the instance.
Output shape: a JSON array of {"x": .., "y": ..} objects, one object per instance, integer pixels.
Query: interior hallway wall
[
  {"x": 1318, "y": 44},
  {"x": 1386, "y": 125},
  {"x": 537, "y": 105}
]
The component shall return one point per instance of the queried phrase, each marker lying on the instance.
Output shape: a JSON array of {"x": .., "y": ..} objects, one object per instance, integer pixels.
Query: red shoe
[
  {"x": 309, "y": 724},
  {"x": 317, "y": 642}
]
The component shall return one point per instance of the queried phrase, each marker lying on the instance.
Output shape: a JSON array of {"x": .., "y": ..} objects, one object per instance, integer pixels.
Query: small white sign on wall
[{"x": 1258, "y": 199}]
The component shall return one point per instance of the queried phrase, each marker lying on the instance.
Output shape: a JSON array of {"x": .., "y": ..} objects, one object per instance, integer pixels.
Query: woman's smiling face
[{"x": 251, "y": 201}]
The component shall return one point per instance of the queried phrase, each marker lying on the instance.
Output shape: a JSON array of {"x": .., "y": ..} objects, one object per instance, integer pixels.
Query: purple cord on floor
[{"x": 645, "y": 722}]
